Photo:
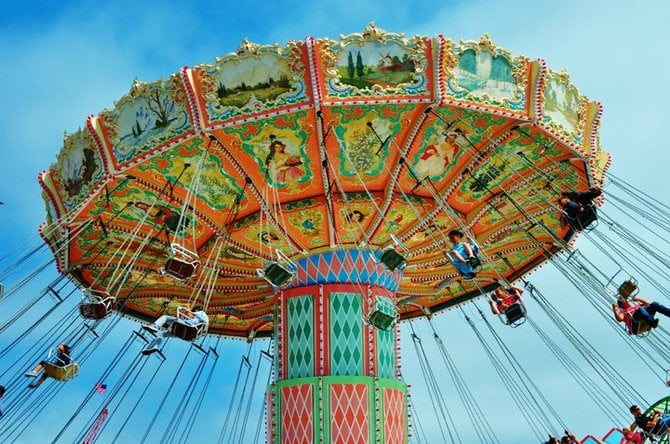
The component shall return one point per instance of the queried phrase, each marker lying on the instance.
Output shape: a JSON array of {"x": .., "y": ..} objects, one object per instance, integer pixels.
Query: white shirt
[{"x": 199, "y": 317}]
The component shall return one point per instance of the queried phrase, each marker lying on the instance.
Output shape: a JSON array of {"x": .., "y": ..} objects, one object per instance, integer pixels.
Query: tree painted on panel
[
  {"x": 481, "y": 181},
  {"x": 161, "y": 106},
  {"x": 360, "y": 68},
  {"x": 221, "y": 91},
  {"x": 350, "y": 66}
]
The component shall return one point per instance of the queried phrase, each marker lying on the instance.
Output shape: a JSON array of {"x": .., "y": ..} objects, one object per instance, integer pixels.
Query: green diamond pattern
[
  {"x": 346, "y": 334},
  {"x": 385, "y": 343},
  {"x": 300, "y": 340}
]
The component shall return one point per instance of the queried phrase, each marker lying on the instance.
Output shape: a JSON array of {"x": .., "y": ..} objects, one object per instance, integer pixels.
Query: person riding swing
[
  {"x": 194, "y": 319},
  {"x": 577, "y": 209},
  {"x": 638, "y": 314}
]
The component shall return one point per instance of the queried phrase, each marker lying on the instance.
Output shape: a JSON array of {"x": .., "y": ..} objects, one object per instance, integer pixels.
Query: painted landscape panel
[{"x": 375, "y": 63}]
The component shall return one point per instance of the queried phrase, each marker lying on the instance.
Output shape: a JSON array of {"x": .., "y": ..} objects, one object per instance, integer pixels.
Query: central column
[{"x": 337, "y": 378}]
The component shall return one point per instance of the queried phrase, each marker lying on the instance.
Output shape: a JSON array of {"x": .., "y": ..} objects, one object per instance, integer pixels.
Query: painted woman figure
[
  {"x": 436, "y": 157},
  {"x": 285, "y": 167}
]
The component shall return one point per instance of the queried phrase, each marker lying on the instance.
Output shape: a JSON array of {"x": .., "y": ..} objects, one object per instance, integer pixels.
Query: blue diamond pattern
[{"x": 345, "y": 266}]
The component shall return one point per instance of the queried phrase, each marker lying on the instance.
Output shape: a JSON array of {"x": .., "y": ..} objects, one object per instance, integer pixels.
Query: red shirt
[
  {"x": 513, "y": 295},
  {"x": 628, "y": 316}
]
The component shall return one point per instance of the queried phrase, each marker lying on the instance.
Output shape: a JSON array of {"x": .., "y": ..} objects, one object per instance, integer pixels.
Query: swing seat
[
  {"x": 392, "y": 259},
  {"x": 277, "y": 275},
  {"x": 464, "y": 269},
  {"x": 584, "y": 221},
  {"x": 627, "y": 289},
  {"x": 181, "y": 264},
  {"x": 643, "y": 328},
  {"x": 380, "y": 320},
  {"x": 94, "y": 310},
  {"x": 59, "y": 373},
  {"x": 100, "y": 304},
  {"x": 444, "y": 283},
  {"x": 187, "y": 332},
  {"x": 178, "y": 269},
  {"x": 475, "y": 263},
  {"x": 515, "y": 314}
]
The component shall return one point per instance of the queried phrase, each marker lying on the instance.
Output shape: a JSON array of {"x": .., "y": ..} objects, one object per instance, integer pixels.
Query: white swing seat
[
  {"x": 100, "y": 304},
  {"x": 277, "y": 275},
  {"x": 181, "y": 264},
  {"x": 185, "y": 330}
]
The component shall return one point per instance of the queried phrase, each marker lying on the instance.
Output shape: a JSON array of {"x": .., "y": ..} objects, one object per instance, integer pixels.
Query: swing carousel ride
[
  {"x": 306, "y": 193},
  {"x": 327, "y": 152}
]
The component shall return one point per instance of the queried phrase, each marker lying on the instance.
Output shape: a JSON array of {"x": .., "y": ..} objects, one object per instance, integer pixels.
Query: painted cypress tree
[
  {"x": 350, "y": 66},
  {"x": 360, "y": 69}
]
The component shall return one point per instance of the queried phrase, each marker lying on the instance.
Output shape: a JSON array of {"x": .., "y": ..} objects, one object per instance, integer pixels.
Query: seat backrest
[
  {"x": 392, "y": 259},
  {"x": 179, "y": 269},
  {"x": 94, "y": 310},
  {"x": 185, "y": 331},
  {"x": 381, "y": 320},
  {"x": 61, "y": 373},
  {"x": 276, "y": 274},
  {"x": 583, "y": 220},
  {"x": 642, "y": 328},
  {"x": 626, "y": 288},
  {"x": 514, "y": 313}
]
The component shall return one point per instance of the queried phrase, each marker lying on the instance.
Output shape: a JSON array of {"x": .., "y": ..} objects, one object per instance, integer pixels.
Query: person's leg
[
  {"x": 643, "y": 314},
  {"x": 655, "y": 307},
  {"x": 38, "y": 368},
  {"x": 154, "y": 345},
  {"x": 38, "y": 382},
  {"x": 164, "y": 321}
]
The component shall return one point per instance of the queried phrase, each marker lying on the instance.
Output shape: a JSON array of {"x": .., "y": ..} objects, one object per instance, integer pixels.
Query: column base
[{"x": 337, "y": 410}]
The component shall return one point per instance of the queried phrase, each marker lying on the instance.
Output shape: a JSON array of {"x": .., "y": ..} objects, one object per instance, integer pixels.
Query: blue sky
[{"x": 66, "y": 60}]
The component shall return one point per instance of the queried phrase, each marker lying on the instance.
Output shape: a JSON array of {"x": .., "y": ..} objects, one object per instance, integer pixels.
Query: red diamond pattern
[
  {"x": 302, "y": 275},
  {"x": 349, "y": 410},
  {"x": 337, "y": 261},
  {"x": 360, "y": 264},
  {"x": 394, "y": 417},
  {"x": 311, "y": 269},
  {"x": 296, "y": 414},
  {"x": 323, "y": 267},
  {"x": 343, "y": 267},
  {"x": 370, "y": 267},
  {"x": 348, "y": 267}
]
